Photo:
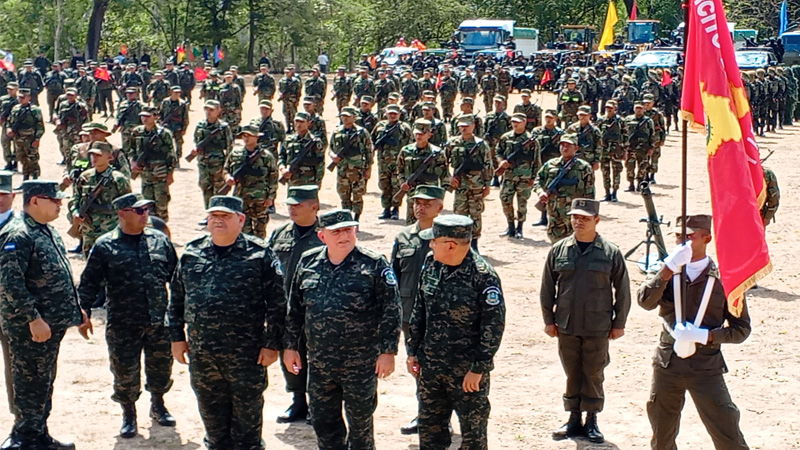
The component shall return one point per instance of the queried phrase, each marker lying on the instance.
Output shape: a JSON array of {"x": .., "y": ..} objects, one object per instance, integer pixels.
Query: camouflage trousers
[
  {"x": 388, "y": 182},
  {"x": 67, "y": 141},
  {"x": 52, "y": 97},
  {"x": 408, "y": 104},
  {"x": 521, "y": 188},
  {"x": 357, "y": 387},
  {"x": 100, "y": 224},
  {"x": 341, "y": 102},
  {"x": 653, "y": 165},
  {"x": 177, "y": 136},
  {"x": 447, "y": 108},
  {"x": 584, "y": 358},
  {"x": 155, "y": 188},
  {"x": 611, "y": 162},
  {"x": 212, "y": 179},
  {"x": 351, "y": 186},
  {"x": 558, "y": 224},
  {"x": 488, "y": 102},
  {"x": 105, "y": 101},
  {"x": 289, "y": 110},
  {"x": 5, "y": 141},
  {"x": 186, "y": 95},
  {"x": 256, "y": 217},
  {"x": 229, "y": 387},
  {"x": 637, "y": 165},
  {"x": 440, "y": 393},
  {"x": 568, "y": 118},
  {"x": 469, "y": 202},
  {"x": 8, "y": 377},
  {"x": 305, "y": 176},
  {"x": 265, "y": 96},
  {"x": 33, "y": 368},
  {"x": 233, "y": 119},
  {"x": 125, "y": 346},
  {"x": 28, "y": 156}
]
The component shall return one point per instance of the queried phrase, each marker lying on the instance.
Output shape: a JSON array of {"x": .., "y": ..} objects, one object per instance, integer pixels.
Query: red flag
[
  {"x": 102, "y": 74},
  {"x": 666, "y": 80},
  {"x": 200, "y": 74},
  {"x": 546, "y": 78},
  {"x": 633, "y": 10},
  {"x": 7, "y": 65},
  {"x": 124, "y": 50},
  {"x": 438, "y": 81},
  {"x": 714, "y": 96}
]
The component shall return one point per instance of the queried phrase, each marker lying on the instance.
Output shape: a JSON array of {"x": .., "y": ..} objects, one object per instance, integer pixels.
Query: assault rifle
[
  {"x": 387, "y": 137},
  {"x": 412, "y": 180},
  {"x": 146, "y": 154},
  {"x": 74, "y": 229},
  {"x": 467, "y": 165},
  {"x": 653, "y": 236},
  {"x": 294, "y": 164},
  {"x": 561, "y": 179},
  {"x": 517, "y": 156},
  {"x": 347, "y": 148},
  {"x": 203, "y": 143}
]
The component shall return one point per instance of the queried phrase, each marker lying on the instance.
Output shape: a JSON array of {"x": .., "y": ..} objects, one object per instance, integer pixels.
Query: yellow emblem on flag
[{"x": 721, "y": 123}]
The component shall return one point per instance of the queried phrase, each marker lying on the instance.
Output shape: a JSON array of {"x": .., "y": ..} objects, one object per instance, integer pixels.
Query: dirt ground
[{"x": 528, "y": 381}]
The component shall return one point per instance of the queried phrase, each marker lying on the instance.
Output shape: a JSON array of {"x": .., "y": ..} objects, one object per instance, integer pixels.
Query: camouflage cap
[
  {"x": 583, "y": 109},
  {"x": 422, "y": 125},
  {"x": 468, "y": 101},
  {"x": 69, "y": 82},
  {"x": 449, "y": 225},
  {"x": 551, "y": 113},
  {"x": 525, "y": 92},
  {"x": 302, "y": 116},
  {"x": 394, "y": 95},
  {"x": 584, "y": 207},
  {"x": 428, "y": 93},
  {"x": 367, "y": 99},
  {"x": 95, "y": 126},
  {"x": 226, "y": 204},
  {"x": 771, "y": 70},
  {"x": 428, "y": 192},
  {"x": 234, "y": 67},
  {"x": 393, "y": 109},
  {"x": 175, "y": 89},
  {"x": 71, "y": 91},
  {"x": 638, "y": 104},
  {"x": 571, "y": 81},
  {"x": 648, "y": 98},
  {"x": 131, "y": 200},
  {"x": 24, "y": 91},
  {"x": 465, "y": 120},
  {"x": 341, "y": 69},
  {"x": 249, "y": 129},
  {"x": 694, "y": 223},
  {"x": 348, "y": 111},
  {"x": 611, "y": 104},
  {"x": 263, "y": 66},
  {"x": 42, "y": 188},
  {"x": 131, "y": 90},
  {"x": 519, "y": 117},
  {"x": 309, "y": 99},
  {"x": 211, "y": 104},
  {"x": 298, "y": 194},
  {"x": 265, "y": 104},
  {"x": 499, "y": 98},
  {"x": 227, "y": 74},
  {"x": 569, "y": 138},
  {"x": 428, "y": 105},
  {"x": 336, "y": 219},
  {"x": 5, "y": 182},
  {"x": 158, "y": 73},
  {"x": 428, "y": 70},
  {"x": 12, "y": 85},
  {"x": 100, "y": 147},
  {"x": 148, "y": 111}
]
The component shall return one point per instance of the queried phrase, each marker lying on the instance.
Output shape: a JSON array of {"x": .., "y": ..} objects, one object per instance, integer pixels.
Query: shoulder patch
[
  {"x": 276, "y": 263},
  {"x": 389, "y": 276},
  {"x": 9, "y": 246},
  {"x": 493, "y": 295}
]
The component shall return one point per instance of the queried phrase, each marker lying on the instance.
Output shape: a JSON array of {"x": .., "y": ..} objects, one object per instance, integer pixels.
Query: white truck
[{"x": 488, "y": 34}]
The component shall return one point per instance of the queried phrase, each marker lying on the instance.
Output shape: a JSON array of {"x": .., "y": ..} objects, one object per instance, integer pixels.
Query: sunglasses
[
  {"x": 142, "y": 210},
  {"x": 57, "y": 201}
]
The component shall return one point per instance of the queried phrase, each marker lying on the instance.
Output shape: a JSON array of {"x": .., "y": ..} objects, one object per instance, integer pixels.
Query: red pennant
[
  {"x": 200, "y": 74},
  {"x": 665, "y": 79},
  {"x": 102, "y": 74},
  {"x": 547, "y": 77}
]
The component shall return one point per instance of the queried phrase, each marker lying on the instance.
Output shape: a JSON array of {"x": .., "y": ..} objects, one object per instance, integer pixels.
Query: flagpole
[{"x": 684, "y": 163}]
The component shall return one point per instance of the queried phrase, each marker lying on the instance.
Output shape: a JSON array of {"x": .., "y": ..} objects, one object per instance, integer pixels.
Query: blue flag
[
  {"x": 784, "y": 18},
  {"x": 217, "y": 57},
  {"x": 205, "y": 54}
]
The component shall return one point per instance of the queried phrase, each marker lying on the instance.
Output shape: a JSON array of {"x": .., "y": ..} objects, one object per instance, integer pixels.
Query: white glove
[
  {"x": 682, "y": 347},
  {"x": 678, "y": 257},
  {"x": 693, "y": 334}
]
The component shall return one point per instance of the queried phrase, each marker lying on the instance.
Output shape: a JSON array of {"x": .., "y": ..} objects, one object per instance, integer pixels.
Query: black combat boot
[
  {"x": 592, "y": 432},
  {"x": 572, "y": 428},
  {"x": 495, "y": 181},
  {"x": 518, "y": 234},
  {"x": 8, "y": 166},
  {"x": 614, "y": 196},
  {"x": 510, "y": 231},
  {"x": 159, "y": 412},
  {"x": 14, "y": 165},
  {"x": 47, "y": 442},
  {"x": 13, "y": 442},
  {"x": 631, "y": 188},
  {"x": 385, "y": 215},
  {"x": 297, "y": 411},
  {"x": 410, "y": 428},
  {"x": 395, "y": 213},
  {"x": 607, "y": 198},
  {"x": 653, "y": 178},
  {"x": 543, "y": 220},
  {"x": 129, "y": 427}
]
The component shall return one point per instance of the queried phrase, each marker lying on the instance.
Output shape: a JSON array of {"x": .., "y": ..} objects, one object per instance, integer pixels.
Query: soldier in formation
[
  {"x": 641, "y": 137},
  {"x": 213, "y": 139},
  {"x": 613, "y": 135},
  {"x": 155, "y": 159},
  {"x": 351, "y": 153},
  {"x": 264, "y": 84},
  {"x": 427, "y": 161},
  {"x": 659, "y": 132},
  {"x": 302, "y": 156},
  {"x": 388, "y": 138},
  {"x": 518, "y": 161},
  {"x": 7, "y": 103},
  {"x": 174, "y": 116},
  {"x": 25, "y": 129}
]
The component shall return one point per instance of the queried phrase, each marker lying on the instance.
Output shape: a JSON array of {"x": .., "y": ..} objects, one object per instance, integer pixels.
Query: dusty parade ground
[{"x": 528, "y": 381}]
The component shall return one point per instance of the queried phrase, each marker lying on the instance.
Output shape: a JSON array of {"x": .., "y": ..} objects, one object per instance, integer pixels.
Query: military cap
[
  {"x": 71, "y": 91},
  {"x": 27, "y": 62},
  {"x": 364, "y": 55},
  {"x": 302, "y": 115},
  {"x": 249, "y": 129},
  {"x": 148, "y": 111},
  {"x": 648, "y": 98},
  {"x": 100, "y": 147},
  {"x": 627, "y": 78},
  {"x": 760, "y": 72},
  {"x": 771, "y": 70},
  {"x": 550, "y": 113},
  {"x": 263, "y": 66},
  {"x": 499, "y": 98},
  {"x": 466, "y": 120},
  {"x": 428, "y": 192},
  {"x": 12, "y": 85},
  {"x": 265, "y": 104},
  {"x": 428, "y": 92},
  {"x": 428, "y": 70},
  {"x": 367, "y": 99},
  {"x": 422, "y": 125},
  {"x": 638, "y": 105},
  {"x": 746, "y": 75},
  {"x": 609, "y": 69},
  {"x": 5, "y": 182},
  {"x": 95, "y": 126},
  {"x": 159, "y": 73},
  {"x": 131, "y": 90},
  {"x": 175, "y": 89},
  {"x": 525, "y": 92},
  {"x": 569, "y": 138},
  {"x": 583, "y": 109},
  {"x": 381, "y": 71},
  {"x": 81, "y": 69},
  {"x": 582, "y": 71},
  {"x": 309, "y": 99},
  {"x": 449, "y": 225},
  {"x": 584, "y": 207},
  {"x": 591, "y": 70},
  {"x": 694, "y": 223},
  {"x": 652, "y": 72},
  {"x": 185, "y": 64},
  {"x": 83, "y": 133},
  {"x": 234, "y": 67},
  {"x": 428, "y": 105},
  {"x": 571, "y": 81},
  {"x": 348, "y": 111},
  {"x": 362, "y": 69},
  {"x": 519, "y": 117},
  {"x": 227, "y": 73},
  {"x": 24, "y": 91},
  {"x": 213, "y": 73},
  {"x": 468, "y": 100},
  {"x": 336, "y": 219},
  {"x": 611, "y": 104},
  {"x": 213, "y": 104},
  {"x": 42, "y": 188},
  {"x": 69, "y": 81},
  {"x": 298, "y": 194},
  {"x": 393, "y": 109},
  {"x": 226, "y": 204},
  {"x": 131, "y": 200},
  {"x": 341, "y": 69},
  {"x": 394, "y": 95}
]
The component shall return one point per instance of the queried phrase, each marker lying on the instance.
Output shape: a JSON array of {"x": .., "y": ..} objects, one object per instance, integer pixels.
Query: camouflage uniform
[
  {"x": 227, "y": 327},
  {"x": 155, "y": 151},
  {"x": 257, "y": 184},
  {"x": 349, "y": 315},
  {"x": 383, "y": 87},
  {"x": 625, "y": 96},
  {"x": 569, "y": 101},
  {"x": 409, "y": 91},
  {"x": 272, "y": 132},
  {"x": 361, "y": 87},
  {"x": 439, "y": 133},
  {"x": 7, "y": 103},
  {"x": 87, "y": 92},
  {"x": 36, "y": 282},
  {"x": 456, "y": 328},
  {"x": 773, "y": 197},
  {"x": 547, "y": 142},
  {"x": 100, "y": 217},
  {"x": 559, "y": 202},
  {"x": 316, "y": 87},
  {"x": 289, "y": 89},
  {"x": 454, "y": 124},
  {"x": 641, "y": 139},
  {"x": 157, "y": 91},
  {"x": 588, "y": 141},
  {"x": 312, "y": 167},
  {"x": 127, "y": 120},
  {"x": 264, "y": 85},
  {"x": 212, "y": 158},
  {"x": 517, "y": 179},
  {"x": 317, "y": 127},
  {"x": 209, "y": 90},
  {"x": 366, "y": 120},
  {"x": 612, "y": 150},
  {"x": 437, "y": 173},
  {"x": 389, "y": 150},
  {"x": 488, "y": 90},
  {"x": 71, "y": 117},
  {"x": 533, "y": 112},
  {"x": 28, "y": 124},
  {"x": 133, "y": 271},
  {"x": 448, "y": 91},
  {"x": 497, "y": 124},
  {"x": 343, "y": 91},
  {"x": 356, "y": 164},
  {"x": 503, "y": 82},
  {"x": 473, "y": 160},
  {"x": 468, "y": 86},
  {"x": 230, "y": 100},
  {"x": 175, "y": 117},
  {"x": 660, "y": 132}
]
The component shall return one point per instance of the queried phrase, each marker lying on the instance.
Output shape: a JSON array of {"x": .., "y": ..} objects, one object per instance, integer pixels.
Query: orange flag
[{"x": 714, "y": 97}]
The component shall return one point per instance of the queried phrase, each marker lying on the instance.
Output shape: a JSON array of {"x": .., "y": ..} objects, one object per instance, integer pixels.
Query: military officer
[
  {"x": 6, "y": 215},
  {"x": 641, "y": 139},
  {"x": 154, "y": 157},
  {"x": 174, "y": 116},
  {"x": 234, "y": 331},
  {"x": 133, "y": 264},
  {"x": 589, "y": 136},
  {"x": 532, "y": 111},
  {"x": 344, "y": 299},
  {"x": 253, "y": 171},
  {"x": 389, "y": 137},
  {"x": 517, "y": 161},
  {"x": 585, "y": 298},
  {"x": 421, "y": 153},
  {"x": 577, "y": 183},
  {"x": 689, "y": 355},
  {"x": 612, "y": 150},
  {"x": 213, "y": 139},
  {"x": 660, "y": 132},
  {"x": 39, "y": 304},
  {"x": 70, "y": 115},
  {"x": 302, "y": 156},
  {"x": 351, "y": 152},
  {"x": 26, "y": 128},
  {"x": 454, "y": 332},
  {"x": 289, "y": 242}
]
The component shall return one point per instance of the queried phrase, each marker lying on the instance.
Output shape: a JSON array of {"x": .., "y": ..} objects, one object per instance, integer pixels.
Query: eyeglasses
[
  {"x": 142, "y": 210},
  {"x": 57, "y": 201}
]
